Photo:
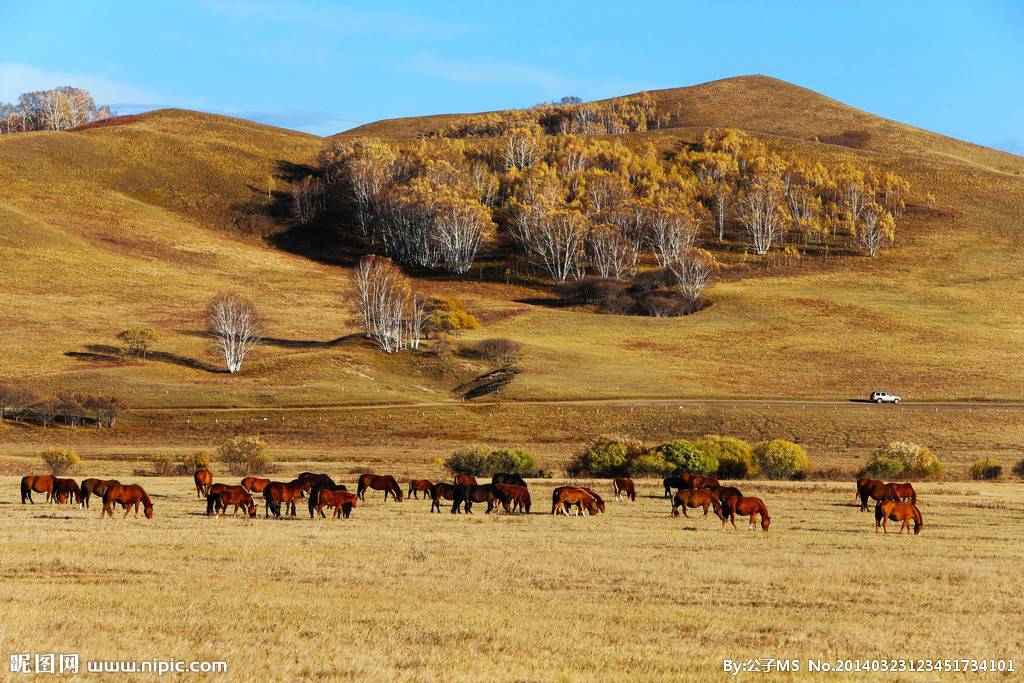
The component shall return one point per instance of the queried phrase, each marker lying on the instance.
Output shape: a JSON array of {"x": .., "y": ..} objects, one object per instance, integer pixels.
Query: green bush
[
  {"x": 649, "y": 464},
  {"x": 688, "y": 457},
  {"x": 613, "y": 455},
  {"x": 245, "y": 455},
  {"x": 917, "y": 460},
  {"x": 884, "y": 467},
  {"x": 735, "y": 456},
  {"x": 60, "y": 460},
  {"x": 1018, "y": 469},
  {"x": 781, "y": 459},
  {"x": 511, "y": 460},
  {"x": 192, "y": 462},
  {"x": 472, "y": 460},
  {"x": 986, "y": 469}
]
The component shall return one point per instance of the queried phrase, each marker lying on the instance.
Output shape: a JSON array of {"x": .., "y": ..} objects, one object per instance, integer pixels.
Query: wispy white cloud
[
  {"x": 337, "y": 18},
  {"x": 484, "y": 73},
  {"x": 19, "y": 78}
]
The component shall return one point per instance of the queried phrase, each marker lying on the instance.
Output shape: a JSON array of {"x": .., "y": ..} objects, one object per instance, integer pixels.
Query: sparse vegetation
[
  {"x": 138, "y": 339},
  {"x": 162, "y": 465},
  {"x": 245, "y": 455},
  {"x": 60, "y": 461},
  {"x": 193, "y": 461},
  {"x": 499, "y": 351},
  {"x": 479, "y": 461},
  {"x": 1018, "y": 468}
]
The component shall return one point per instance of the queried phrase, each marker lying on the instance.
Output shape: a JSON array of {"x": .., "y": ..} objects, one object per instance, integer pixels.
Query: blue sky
[{"x": 956, "y": 68}]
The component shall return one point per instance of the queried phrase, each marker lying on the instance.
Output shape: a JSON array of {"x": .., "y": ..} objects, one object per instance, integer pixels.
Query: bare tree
[
  {"x": 235, "y": 325},
  {"x": 761, "y": 213},
  {"x": 611, "y": 253},
  {"x": 877, "y": 228},
  {"x": 382, "y": 290},
  {"x": 103, "y": 408},
  {"x": 670, "y": 233},
  {"x": 554, "y": 236},
  {"x": 520, "y": 149},
  {"x": 307, "y": 200},
  {"x": 694, "y": 271},
  {"x": 459, "y": 225},
  {"x": 15, "y": 398}
]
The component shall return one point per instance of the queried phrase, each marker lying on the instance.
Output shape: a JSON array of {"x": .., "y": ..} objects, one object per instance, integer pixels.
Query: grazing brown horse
[
  {"x": 623, "y": 486},
  {"x": 127, "y": 497},
  {"x": 696, "y": 498},
  {"x": 519, "y": 496},
  {"x": 316, "y": 480},
  {"x": 467, "y": 494},
  {"x": 95, "y": 487},
  {"x": 465, "y": 480},
  {"x": 676, "y": 481},
  {"x": 724, "y": 492},
  {"x": 442, "y": 490},
  {"x": 314, "y": 495},
  {"x": 734, "y": 505},
  {"x": 903, "y": 492},
  {"x": 66, "y": 491},
  {"x": 508, "y": 478},
  {"x": 597, "y": 497},
  {"x": 254, "y": 484},
  {"x": 420, "y": 485},
  {"x": 897, "y": 512},
  {"x": 875, "y": 489},
  {"x": 277, "y": 492},
  {"x": 231, "y": 495},
  {"x": 39, "y": 483},
  {"x": 342, "y": 501},
  {"x": 203, "y": 479},
  {"x": 564, "y": 497},
  {"x": 379, "y": 482}
]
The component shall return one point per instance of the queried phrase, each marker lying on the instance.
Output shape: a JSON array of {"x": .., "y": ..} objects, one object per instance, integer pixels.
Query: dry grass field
[{"x": 395, "y": 593}]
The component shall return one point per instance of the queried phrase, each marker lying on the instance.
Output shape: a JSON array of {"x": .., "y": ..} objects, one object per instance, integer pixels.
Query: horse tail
[{"x": 25, "y": 490}]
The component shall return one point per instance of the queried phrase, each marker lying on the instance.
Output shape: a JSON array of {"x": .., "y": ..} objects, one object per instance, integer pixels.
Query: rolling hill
[{"x": 144, "y": 222}]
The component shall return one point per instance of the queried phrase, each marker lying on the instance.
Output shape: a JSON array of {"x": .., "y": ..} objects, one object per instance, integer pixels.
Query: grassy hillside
[{"x": 144, "y": 222}]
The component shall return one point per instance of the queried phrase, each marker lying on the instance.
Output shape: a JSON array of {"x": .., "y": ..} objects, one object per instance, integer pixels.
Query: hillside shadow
[
  {"x": 282, "y": 342},
  {"x": 107, "y": 352}
]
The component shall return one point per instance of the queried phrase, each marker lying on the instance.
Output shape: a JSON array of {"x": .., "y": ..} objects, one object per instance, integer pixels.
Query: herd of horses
[{"x": 895, "y": 502}]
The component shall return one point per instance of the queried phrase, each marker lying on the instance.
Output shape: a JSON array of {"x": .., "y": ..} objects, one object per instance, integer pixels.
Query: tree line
[
  {"x": 578, "y": 207},
  {"x": 60, "y": 108},
  {"x": 22, "y": 404}
]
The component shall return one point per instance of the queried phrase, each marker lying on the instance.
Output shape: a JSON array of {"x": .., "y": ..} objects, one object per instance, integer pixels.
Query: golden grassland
[
  {"x": 395, "y": 593},
  {"x": 145, "y": 222}
]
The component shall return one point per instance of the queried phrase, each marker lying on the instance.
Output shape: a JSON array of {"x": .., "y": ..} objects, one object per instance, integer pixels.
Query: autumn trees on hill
[
  {"x": 577, "y": 206},
  {"x": 57, "y": 109}
]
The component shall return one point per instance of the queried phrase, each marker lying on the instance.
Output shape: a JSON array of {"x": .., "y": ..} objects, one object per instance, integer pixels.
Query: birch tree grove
[
  {"x": 693, "y": 271},
  {"x": 57, "y": 109},
  {"x": 761, "y": 213},
  {"x": 235, "y": 325},
  {"x": 393, "y": 316},
  {"x": 671, "y": 231},
  {"x": 611, "y": 253},
  {"x": 877, "y": 228}
]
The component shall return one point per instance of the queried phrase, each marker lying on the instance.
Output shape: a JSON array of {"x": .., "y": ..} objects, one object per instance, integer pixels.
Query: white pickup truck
[{"x": 883, "y": 397}]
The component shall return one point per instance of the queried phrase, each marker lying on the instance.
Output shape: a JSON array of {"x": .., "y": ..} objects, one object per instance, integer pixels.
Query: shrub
[
  {"x": 917, "y": 460},
  {"x": 735, "y": 456},
  {"x": 193, "y": 462},
  {"x": 245, "y": 455},
  {"x": 688, "y": 457},
  {"x": 163, "y": 465},
  {"x": 472, "y": 460},
  {"x": 614, "y": 456},
  {"x": 137, "y": 340},
  {"x": 510, "y": 460},
  {"x": 60, "y": 460},
  {"x": 1018, "y": 469},
  {"x": 986, "y": 469},
  {"x": 884, "y": 467},
  {"x": 781, "y": 459},
  {"x": 501, "y": 351},
  {"x": 591, "y": 290},
  {"x": 650, "y": 464},
  {"x": 449, "y": 315}
]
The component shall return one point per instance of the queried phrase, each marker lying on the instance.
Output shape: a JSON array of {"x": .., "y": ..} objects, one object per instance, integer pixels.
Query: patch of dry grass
[{"x": 398, "y": 593}]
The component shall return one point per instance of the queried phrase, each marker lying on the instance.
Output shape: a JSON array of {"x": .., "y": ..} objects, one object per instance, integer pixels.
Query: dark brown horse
[
  {"x": 254, "y": 484},
  {"x": 742, "y": 506},
  {"x": 623, "y": 486},
  {"x": 231, "y": 495},
  {"x": 379, "y": 482},
  {"x": 416, "y": 486},
  {"x": 874, "y": 489},
  {"x": 95, "y": 487},
  {"x": 317, "y": 480},
  {"x": 66, "y": 491},
  {"x": 903, "y": 493},
  {"x": 467, "y": 494},
  {"x": 465, "y": 480},
  {"x": 897, "y": 512},
  {"x": 203, "y": 479},
  {"x": 127, "y": 497},
  {"x": 342, "y": 502},
  {"x": 676, "y": 481},
  {"x": 724, "y": 492},
  {"x": 442, "y": 490},
  {"x": 564, "y": 498},
  {"x": 39, "y": 483},
  {"x": 518, "y": 496},
  {"x": 314, "y": 495},
  {"x": 703, "y": 481},
  {"x": 277, "y": 492},
  {"x": 696, "y": 498},
  {"x": 508, "y": 478}
]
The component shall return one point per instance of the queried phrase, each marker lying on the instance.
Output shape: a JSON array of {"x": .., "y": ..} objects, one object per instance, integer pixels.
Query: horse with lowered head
[
  {"x": 743, "y": 506},
  {"x": 564, "y": 498},
  {"x": 518, "y": 496},
  {"x": 468, "y": 494},
  {"x": 66, "y": 491},
  {"x": 341, "y": 500},
  {"x": 127, "y": 496},
  {"x": 277, "y": 492},
  {"x": 94, "y": 487},
  {"x": 442, "y": 490},
  {"x": 379, "y": 482},
  {"x": 417, "y": 486},
  {"x": 896, "y": 511},
  {"x": 231, "y": 495}
]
